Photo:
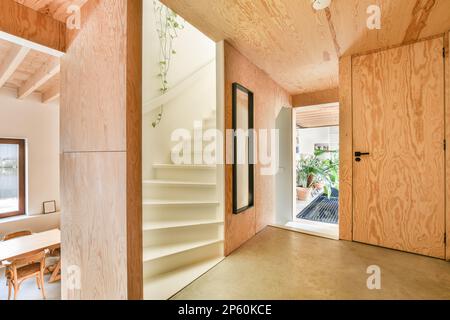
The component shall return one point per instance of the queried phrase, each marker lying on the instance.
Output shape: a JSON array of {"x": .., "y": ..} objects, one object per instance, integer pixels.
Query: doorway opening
[{"x": 316, "y": 170}]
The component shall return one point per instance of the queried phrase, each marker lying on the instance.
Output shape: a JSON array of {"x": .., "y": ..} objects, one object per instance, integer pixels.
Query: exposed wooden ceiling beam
[
  {"x": 47, "y": 71},
  {"x": 51, "y": 94},
  {"x": 19, "y": 21},
  {"x": 11, "y": 62},
  {"x": 316, "y": 98},
  {"x": 57, "y": 9},
  {"x": 324, "y": 115},
  {"x": 29, "y": 44}
]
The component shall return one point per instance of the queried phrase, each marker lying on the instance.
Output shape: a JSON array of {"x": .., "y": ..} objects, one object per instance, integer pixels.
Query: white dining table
[{"x": 20, "y": 247}]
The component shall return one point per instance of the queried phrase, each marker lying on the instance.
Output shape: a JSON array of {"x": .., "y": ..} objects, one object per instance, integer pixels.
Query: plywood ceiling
[
  {"x": 27, "y": 72},
  {"x": 318, "y": 116},
  {"x": 298, "y": 46},
  {"x": 54, "y": 8}
]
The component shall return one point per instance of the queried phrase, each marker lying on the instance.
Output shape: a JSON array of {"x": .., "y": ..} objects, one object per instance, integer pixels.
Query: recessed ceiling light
[{"x": 321, "y": 4}]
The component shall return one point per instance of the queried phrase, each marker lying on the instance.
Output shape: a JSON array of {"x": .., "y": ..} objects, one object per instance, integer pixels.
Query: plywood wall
[
  {"x": 447, "y": 137},
  {"x": 269, "y": 99},
  {"x": 101, "y": 153},
  {"x": 346, "y": 149},
  {"x": 317, "y": 97}
]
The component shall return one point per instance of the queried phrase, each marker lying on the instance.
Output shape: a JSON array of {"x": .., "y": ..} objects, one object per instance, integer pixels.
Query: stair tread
[
  {"x": 179, "y": 202},
  {"x": 179, "y": 183},
  {"x": 160, "y": 251},
  {"x": 156, "y": 225},
  {"x": 183, "y": 166},
  {"x": 167, "y": 284}
]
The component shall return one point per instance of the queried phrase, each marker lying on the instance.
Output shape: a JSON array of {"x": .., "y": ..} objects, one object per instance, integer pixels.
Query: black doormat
[{"x": 322, "y": 209}]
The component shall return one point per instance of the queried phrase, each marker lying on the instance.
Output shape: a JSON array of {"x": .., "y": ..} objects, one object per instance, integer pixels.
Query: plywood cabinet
[{"x": 101, "y": 153}]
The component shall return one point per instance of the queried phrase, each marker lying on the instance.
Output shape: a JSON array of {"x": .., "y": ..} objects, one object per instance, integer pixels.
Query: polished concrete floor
[
  {"x": 29, "y": 291},
  {"x": 281, "y": 264}
]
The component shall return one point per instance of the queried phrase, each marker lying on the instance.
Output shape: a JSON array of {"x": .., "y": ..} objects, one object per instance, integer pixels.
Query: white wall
[
  {"x": 36, "y": 223},
  {"x": 309, "y": 137},
  {"x": 39, "y": 124},
  {"x": 194, "y": 50}
]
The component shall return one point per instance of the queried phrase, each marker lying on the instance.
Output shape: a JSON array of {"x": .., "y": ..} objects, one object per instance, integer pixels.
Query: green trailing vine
[{"x": 168, "y": 23}]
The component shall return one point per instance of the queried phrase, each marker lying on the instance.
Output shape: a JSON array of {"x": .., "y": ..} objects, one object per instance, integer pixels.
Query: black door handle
[{"x": 359, "y": 154}]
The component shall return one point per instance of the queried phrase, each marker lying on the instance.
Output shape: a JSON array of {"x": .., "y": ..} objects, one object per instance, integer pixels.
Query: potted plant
[
  {"x": 306, "y": 173},
  {"x": 327, "y": 173},
  {"x": 319, "y": 184},
  {"x": 315, "y": 172},
  {"x": 303, "y": 191}
]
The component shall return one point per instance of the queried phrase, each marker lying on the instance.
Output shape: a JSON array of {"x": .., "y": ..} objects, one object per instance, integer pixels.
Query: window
[{"x": 12, "y": 177}]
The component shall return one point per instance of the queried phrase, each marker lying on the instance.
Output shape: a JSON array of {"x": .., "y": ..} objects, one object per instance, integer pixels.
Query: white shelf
[
  {"x": 179, "y": 203},
  {"x": 158, "y": 225},
  {"x": 179, "y": 183},
  {"x": 185, "y": 166},
  {"x": 157, "y": 252},
  {"x": 164, "y": 286}
]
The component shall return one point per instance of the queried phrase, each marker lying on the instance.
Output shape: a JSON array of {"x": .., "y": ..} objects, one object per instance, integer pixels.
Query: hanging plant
[{"x": 168, "y": 23}]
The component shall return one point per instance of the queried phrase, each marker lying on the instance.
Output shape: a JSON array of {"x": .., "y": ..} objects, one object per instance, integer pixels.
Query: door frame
[
  {"x": 293, "y": 152},
  {"x": 346, "y": 140}
]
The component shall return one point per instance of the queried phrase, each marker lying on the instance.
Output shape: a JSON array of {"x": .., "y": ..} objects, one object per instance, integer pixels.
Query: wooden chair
[
  {"x": 25, "y": 268},
  {"x": 55, "y": 269},
  {"x": 17, "y": 234}
]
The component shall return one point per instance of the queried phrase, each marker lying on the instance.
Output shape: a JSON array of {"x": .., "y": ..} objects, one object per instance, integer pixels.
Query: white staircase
[{"x": 182, "y": 225}]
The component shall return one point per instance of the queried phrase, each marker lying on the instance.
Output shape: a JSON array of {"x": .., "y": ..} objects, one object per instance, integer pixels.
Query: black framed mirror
[{"x": 243, "y": 149}]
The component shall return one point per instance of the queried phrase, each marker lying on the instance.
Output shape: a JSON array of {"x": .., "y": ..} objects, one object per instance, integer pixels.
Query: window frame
[{"x": 22, "y": 177}]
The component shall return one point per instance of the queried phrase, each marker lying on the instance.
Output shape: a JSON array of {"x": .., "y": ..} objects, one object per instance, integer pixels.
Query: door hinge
[
  {"x": 445, "y": 144},
  {"x": 443, "y": 52},
  {"x": 445, "y": 238}
]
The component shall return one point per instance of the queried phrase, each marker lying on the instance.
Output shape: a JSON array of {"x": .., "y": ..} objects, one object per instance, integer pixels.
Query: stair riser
[
  {"x": 182, "y": 235},
  {"x": 199, "y": 159},
  {"x": 181, "y": 213},
  {"x": 195, "y": 157},
  {"x": 194, "y": 175},
  {"x": 209, "y": 124},
  {"x": 195, "y": 154},
  {"x": 162, "y": 192},
  {"x": 179, "y": 260}
]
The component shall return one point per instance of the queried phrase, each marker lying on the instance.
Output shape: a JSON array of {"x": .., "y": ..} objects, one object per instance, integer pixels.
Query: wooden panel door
[{"x": 398, "y": 117}]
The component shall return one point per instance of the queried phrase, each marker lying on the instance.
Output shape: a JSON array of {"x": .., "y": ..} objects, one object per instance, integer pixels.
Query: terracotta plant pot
[
  {"x": 319, "y": 185},
  {"x": 303, "y": 194}
]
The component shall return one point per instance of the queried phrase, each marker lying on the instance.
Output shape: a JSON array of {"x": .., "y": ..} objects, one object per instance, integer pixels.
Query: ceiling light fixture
[{"x": 320, "y": 4}]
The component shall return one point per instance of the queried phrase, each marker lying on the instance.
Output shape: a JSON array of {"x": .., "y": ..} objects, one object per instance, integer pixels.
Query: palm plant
[
  {"x": 307, "y": 169},
  {"x": 329, "y": 171},
  {"x": 313, "y": 169}
]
